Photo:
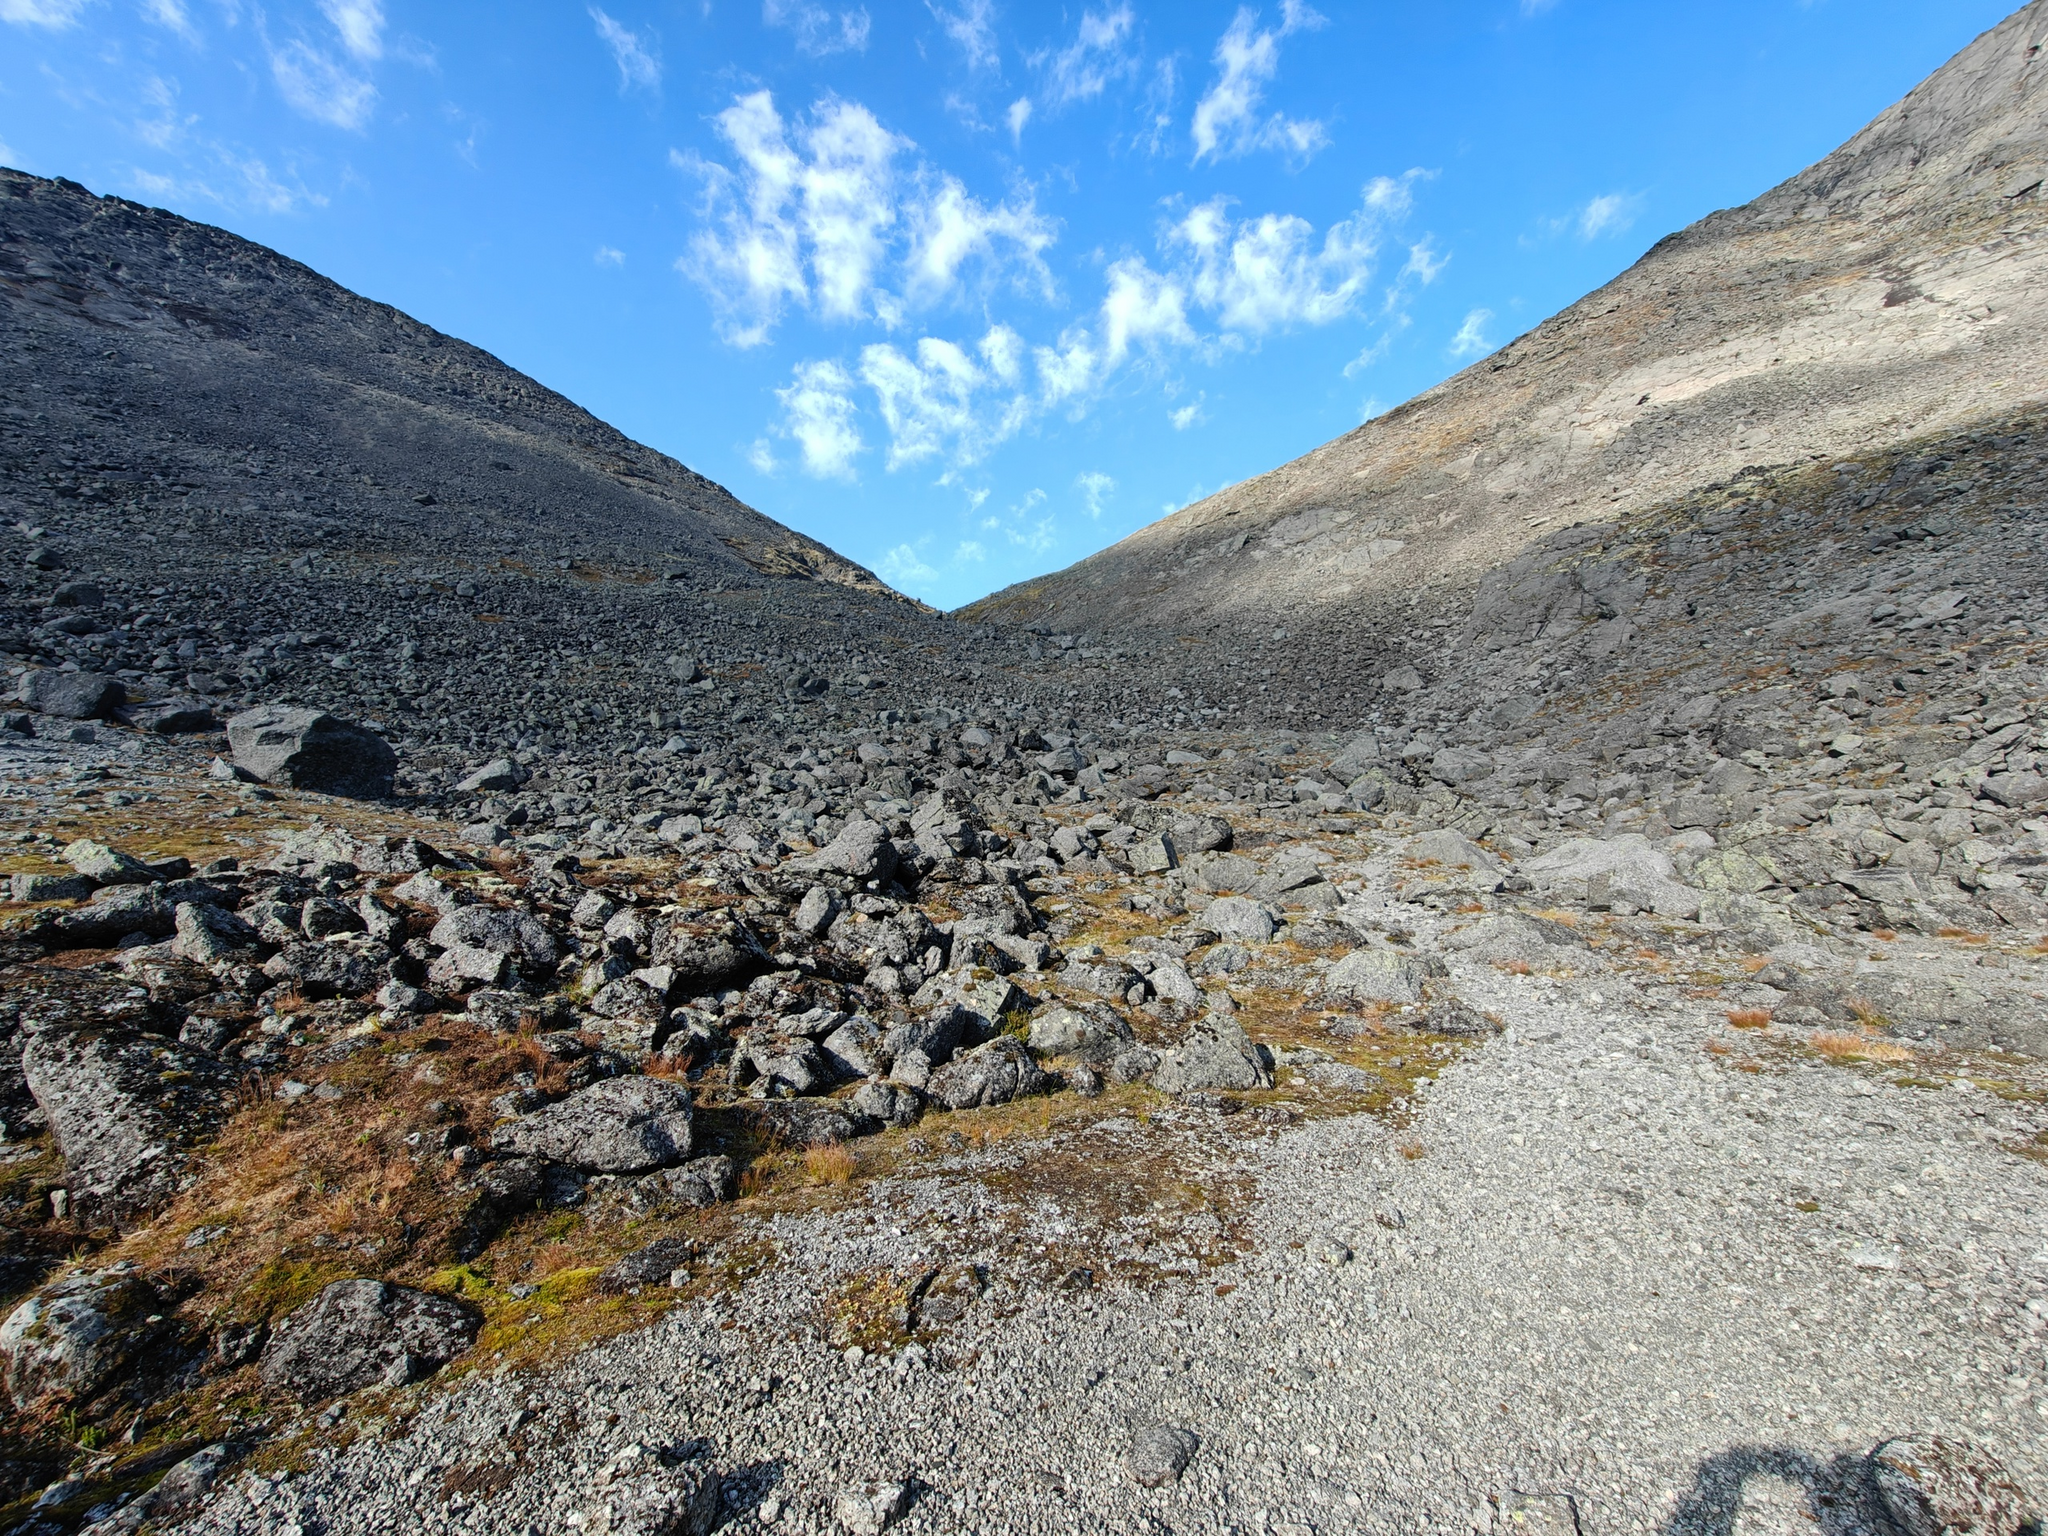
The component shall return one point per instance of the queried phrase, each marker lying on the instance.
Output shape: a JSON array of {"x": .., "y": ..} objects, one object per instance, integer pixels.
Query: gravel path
[{"x": 1623, "y": 1269}]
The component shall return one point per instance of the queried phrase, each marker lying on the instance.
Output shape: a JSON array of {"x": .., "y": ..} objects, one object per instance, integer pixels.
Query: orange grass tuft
[
  {"x": 830, "y": 1165},
  {"x": 1842, "y": 1045},
  {"x": 1750, "y": 1018}
]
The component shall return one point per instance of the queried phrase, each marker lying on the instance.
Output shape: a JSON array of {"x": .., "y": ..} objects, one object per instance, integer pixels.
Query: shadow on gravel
[{"x": 1838, "y": 1494}]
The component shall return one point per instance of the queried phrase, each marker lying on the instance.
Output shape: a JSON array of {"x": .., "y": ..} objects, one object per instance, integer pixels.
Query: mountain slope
[
  {"x": 147, "y": 345},
  {"x": 1887, "y": 292}
]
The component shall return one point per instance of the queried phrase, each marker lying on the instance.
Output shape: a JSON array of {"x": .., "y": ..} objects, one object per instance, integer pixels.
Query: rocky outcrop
[
  {"x": 364, "y": 1333},
  {"x": 74, "y": 1337},
  {"x": 622, "y": 1125},
  {"x": 310, "y": 749}
]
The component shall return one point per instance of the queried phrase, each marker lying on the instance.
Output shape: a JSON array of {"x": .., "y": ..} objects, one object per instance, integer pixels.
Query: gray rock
[
  {"x": 857, "y": 1048},
  {"x": 890, "y": 1103},
  {"x": 322, "y": 970},
  {"x": 991, "y": 1074},
  {"x": 771, "y": 1064},
  {"x": 934, "y": 1038},
  {"x": 1935, "y": 1486},
  {"x": 74, "y": 1336},
  {"x": 621, "y": 1125},
  {"x": 69, "y": 695},
  {"x": 127, "y": 1110},
  {"x": 667, "y": 1501},
  {"x": 49, "y": 888},
  {"x": 703, "y": 1181},
  {"x": 78, "y": 594},
  {"x": 111, "y": 915},
  {"x": 704, "y": 960},
  {"x": 1159, "y": 1454},
  {"x": 168, "y": 717},
  {"x": 1459, "y": 765},
  {"x": 1382, "y": 976},
  {"x": 1239, "y": 917},
  {"x": 107, "y": 866},
  {"x": 177, "y": 1493},
  {"x": 1360, "y": 754},
  {"x": 650, "y": 1265},
  {"x": 364, "y": 1333},
  {"x": 1624, "y": 870},
  {"x": 1216, "y": 1054},
  {"x": 209, "y": 935},
  {"x": 815, "y": 913},
  {"x": 1090, "y": 1033},
  {"x": 867, "y": 1509},
  {"x": 498, "y": 931},
  {"x": 310, "y": 749},
  {"x": 814, "y": 1122},
  {"x": 862, "y": 850},
  {"x": 500, "y": 773}
]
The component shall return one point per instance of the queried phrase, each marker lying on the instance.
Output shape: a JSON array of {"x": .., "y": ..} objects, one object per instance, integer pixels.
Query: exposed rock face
[
  {"x": 125, "y": 1109},
  {"x": 75, "y": 1335},
  {"x": 1937, "y": 1486},
  {"x": 1216, "y": 1054},
  {"x": 69, "y": 695},
  {"x": 362, "y": 1333},
  {"x": 622, "y": 1125},
  {"x": 310, "y": 749}
]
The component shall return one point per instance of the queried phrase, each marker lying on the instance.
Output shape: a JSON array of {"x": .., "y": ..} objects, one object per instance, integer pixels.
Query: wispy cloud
[
  {"x": 1471, "y": 338},
  {"x": 1018, "y": 115},
  {"x": 327, "y": 92},
  {"x": 639, "y": 64},
  {"x": 230, "y": 180},
  {"x": 942, "y": 399},
  {"x": 42, "y": 13},
  {"x": 819, "y": 417},
  {"x": 817, "y": 30},
  {"x": 1099, "y": 53},
  {"x": 170, "y": 15},
  {"x": 821, "y": 217},
  {"x": 904, "y": 566},
  {"x": 361, "y": 25},
  {"x": 1228, "y": 119},
  {"x": 1095, "y": 488},
  {"x": 972, "y": 25},
  {"x": 1610, "y": 214},
  {"x": 1188, "y": 415},
  {"x": 609, "y": 256},
  {"x": 1269, "y": 273}
]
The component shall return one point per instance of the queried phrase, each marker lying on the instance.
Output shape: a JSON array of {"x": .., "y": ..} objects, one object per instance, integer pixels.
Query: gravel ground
[{"x": 1687, "y": 1290}]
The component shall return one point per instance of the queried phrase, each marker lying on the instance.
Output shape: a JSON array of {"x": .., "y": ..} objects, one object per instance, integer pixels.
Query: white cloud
[
  {"x": 762, "y": 456},
  {"x": 1143, "y": 308},
  {"x": 1471, "y": 338},
  {"x": 817, "y": 30},
  {"x": 1227, "y": 119},
  {"x": 41, "y": 13},
  {"x": 1424, "y": 263},
  {"x": 1018, "y": 115},
  {"x": 969, "y": 549},
  {"x": 944, "y": 400},
  {"x": 1268, "y": 273},
  {"x": 320, "y": 88},
  {"x": 243, "y": 182},
  {"x": 1098, "y": 54},
  {"x": 1159, "y": 99},
  {"x": 609, "y": 256},
  {"x": 1095, "y": 488},
  {"x": 169, "y": 14},
  {"x": 817, "y": 215},
  {"x": 818, "y": 416},
  {"x": 1188, "y": 415},
  {"x": 903, "y": 566},
  {"x": 973, "y": 27},
  {"x": 1610, "y": 214},
  {"x": 638, "y": 65},
  {"x": 360, "y": 23}
]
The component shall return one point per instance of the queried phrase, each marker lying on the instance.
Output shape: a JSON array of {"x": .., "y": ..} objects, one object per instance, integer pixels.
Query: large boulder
[
  {"x": 1382, "y": 976},
  {"x": 499, "y": 931},
  {"x": 703, "y": 960},
  {"x": 990, "y": 1074},
  {"x": 1617, "y": 871},
  {"x": 69, "y": 695},
  {"x": 311, "y": 749},
  {"x": 364, "y": 1333},
  {"x": 1239, "y": 917},
  {"x": 862, "y": 851},
  {"x": 682, "y": 1500},
  {"x": 1216, "y": 1055},
  {"x": 127, "y": 1110},
  {"x": 107, "y": 866},
  {"x": 620, "y": 1125},
  {"x": 77, "y": 1334}
]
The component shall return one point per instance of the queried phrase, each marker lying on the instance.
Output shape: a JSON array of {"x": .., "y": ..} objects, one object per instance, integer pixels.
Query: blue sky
[{"x": 967, "y": 289}]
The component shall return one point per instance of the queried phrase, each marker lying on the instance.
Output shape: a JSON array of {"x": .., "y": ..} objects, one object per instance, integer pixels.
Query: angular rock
[
  {"x": 669, "y": 1501},
  {"x": 49, "y": 888},
  {"x": 861, "y": 851},
  {"x": 208, "y": 935},
  {"x": 1936, "y": 1486},
  {"x": 364, "y": 1333},
  {"x": 1159, "y": 1454},
  {"x": 126, "y": 1110},
  {"x": 1216, "y": 1054},
  {"x": 1382, "y": 976},
  {"x": 1092, "y": 1033},
  {"x": 76, "y": 1335},
  {"x": 168, "y": 717},
  {"x": 500, "y": 773},
  {"x": 498, "y": 931},
  {"x": 815, "y": 913},
  {"x": 991, "y": 1074},
  {"x": 107, "y": 866},
  {"x": 651, "y": 1265},
  {"x": 703, "y": 1181},
  {"x": 889, "y": 1103},
  {"x": 312, "y": 750},
  {"x": 704, "y": 960},
  {"x": 1603, "y": 872},
  {"x": 1239, "y": 917},
  {"x": 868, "y": 1509},
  {"x": 621, "y": 1125},
  {"x": 69, "y": 695},
  {"x": 322, "y": 970}
]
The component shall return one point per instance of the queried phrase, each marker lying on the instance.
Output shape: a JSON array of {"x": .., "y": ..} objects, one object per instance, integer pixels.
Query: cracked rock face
[
  {"x": 72, "y": 1338},
  {"x": 361, "y": 1333},
  {"x": 622, "y": 1125}
]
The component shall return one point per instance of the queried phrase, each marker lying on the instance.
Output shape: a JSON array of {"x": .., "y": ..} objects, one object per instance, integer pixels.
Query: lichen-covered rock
[
  {"x": 1382, "y": 976},
  {"x": 107, "y": 866},
  {"x": 364, "y": 1333},
  {"x": 990, "y": 1074},
  {"x": 207, "y": 935},
  {"x": 666, "y": 1501},
  {"x": 620, "y": 1125},
  {"x": 126, "y": 1110},
  {"x": 1936, "y": 1486},
  {"x": 323, "y": 970},
  {"x": 311, "y": 749},
  {"x": 75, "y": 1335},
  {"x": 861, "y": 851},
  {"x": 1215, "y": 1055},
  {"x": 69, "y": 695}
]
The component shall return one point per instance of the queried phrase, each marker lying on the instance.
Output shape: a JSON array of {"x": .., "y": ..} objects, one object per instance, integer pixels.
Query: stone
[
  {"x": 814, "y": 1122},
  {"x": 891, "y": 1103},
  {"x": 168, "y": 717},
  {"x": 177, "y": 1493},
  {"x": 1937, "y": 1486},
  {"x": 127, "y": 1111},
  {"x": 500, "y": 773},
  {"x": 620, "y": 1125},
  {"x": 1358, "y": 755},
  {"x": 990, "y": 1074},
  {"x": 208, "y": 935},
  {"x": 1090, "y": 1032},
  {"x": 77, "y": 1334},
  {"x": 107, "y": 866},
  {"x": 771, "y": 1064},
  {"x": 69, "y": 695},
  {"x": 651, "y": 1265},
  {"x": 867, "y": 1509},
  {"x": 1159, "y": 1454},
  {"x": 1382, "y": 976},
  {"x": 498, "y": 931},
  {"x": 78, "y": 594},
  {"x": 49, "y": 888},
  {"x": 364, "y": 1333},
  {"x": 816, "y": 912},
  {"x": 311, "y": 750},
  {"x": 856, "y": 1048},
  {"x": 1624, "y": 870},
  {"x": 1459, "y": 765},
  {"x": 1154, "y": 855},
  {"x": 668, "y": 1501},
  {"x": 322, "y": 970},
  {"x": 861, "y": 851},
  {"x": 1239, "y": 917},
  {"x": 703, "y": 1181},
  {"x": 1215, "y": 1055}
]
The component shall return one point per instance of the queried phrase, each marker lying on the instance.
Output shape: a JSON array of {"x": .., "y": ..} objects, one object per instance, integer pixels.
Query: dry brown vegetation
[{"x": 1843, "y": 1045}]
